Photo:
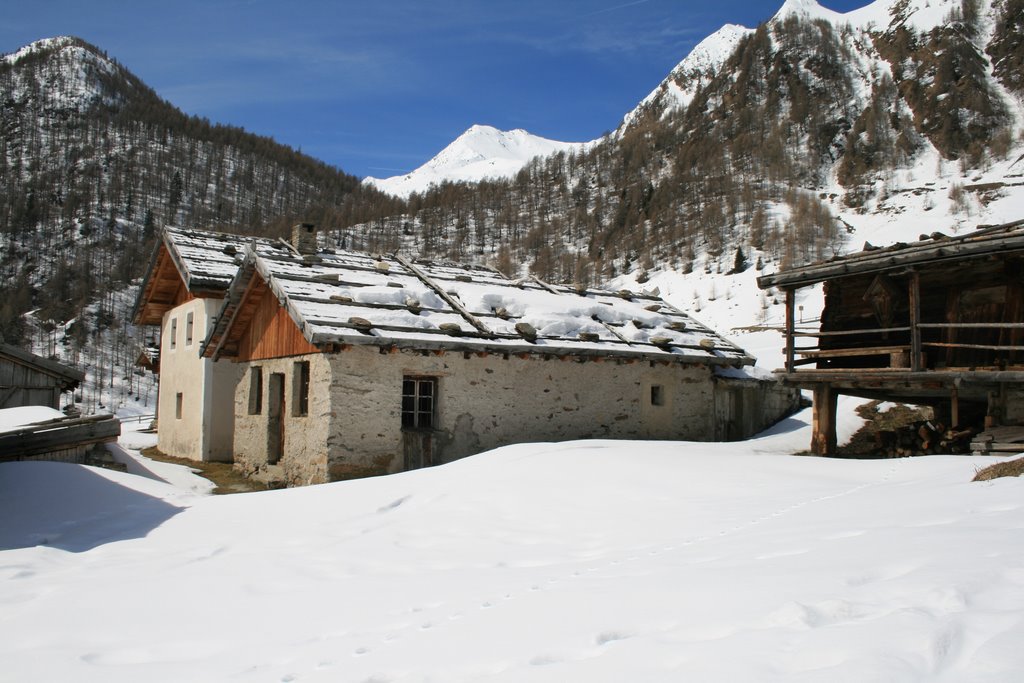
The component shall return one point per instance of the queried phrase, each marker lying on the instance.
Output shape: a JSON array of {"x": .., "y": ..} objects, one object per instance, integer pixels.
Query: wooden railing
[{"x": 813, "y": 354}]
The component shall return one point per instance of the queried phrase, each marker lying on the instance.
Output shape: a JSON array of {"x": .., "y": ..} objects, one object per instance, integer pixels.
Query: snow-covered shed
[
  {"x": 183, "y": 291},
  {"x": 356, "y": 365}
]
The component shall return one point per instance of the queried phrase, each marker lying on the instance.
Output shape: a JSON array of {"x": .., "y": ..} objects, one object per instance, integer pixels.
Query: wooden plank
[
  {"x": 967, "y": 326},
  {"x": 987, "y": 347},
  {"x": 51, "y": 437},
  {"x": 790, "y": 324},
  {"x": 823, "y": 437},
  {"x": 840, "y": 333},
  {"x": 914, "y": 296},
  {"x": 866, "y": 351},
  {"x": 449, "y": 299}
]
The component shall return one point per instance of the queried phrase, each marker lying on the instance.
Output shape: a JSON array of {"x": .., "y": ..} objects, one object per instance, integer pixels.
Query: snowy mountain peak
[
  {"x": 482, "y": 152},
  {"x": 87, "y": 76},
  {"x": 703, "y": 61},
  {"x": 40, "y": 46},
  {"x": 805, "y": 9}
]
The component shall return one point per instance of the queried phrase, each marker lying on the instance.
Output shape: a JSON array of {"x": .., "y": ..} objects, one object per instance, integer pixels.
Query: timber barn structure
[
  {"x": 938, "y": 322},
  {"x": 30, "y": 380},
  {"x": 340, "y": 364},
  {"x": 29, "y": 383}
]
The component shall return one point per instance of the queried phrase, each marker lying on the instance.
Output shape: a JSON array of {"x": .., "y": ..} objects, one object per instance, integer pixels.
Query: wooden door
[{"x": 275, "y": 415}]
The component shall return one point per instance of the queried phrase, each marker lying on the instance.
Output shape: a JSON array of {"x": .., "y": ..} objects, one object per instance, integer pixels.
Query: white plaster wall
[{"x": 204, "y": 431}]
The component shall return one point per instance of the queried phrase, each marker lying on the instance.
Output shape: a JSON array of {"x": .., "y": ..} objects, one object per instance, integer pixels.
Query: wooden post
[
  {"x": 823, "y": 436},
  {"x": 915, "y": 320},
  {"x": 954, "y": 407},
  {"x": 790, "y": 351}
]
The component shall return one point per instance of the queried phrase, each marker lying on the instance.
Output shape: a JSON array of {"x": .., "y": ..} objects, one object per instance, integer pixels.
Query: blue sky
[{"x": 378, "y": 87}]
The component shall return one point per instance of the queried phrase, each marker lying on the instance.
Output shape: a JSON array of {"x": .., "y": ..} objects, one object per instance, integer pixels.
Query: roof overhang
[{"x": 939, "y": 249}]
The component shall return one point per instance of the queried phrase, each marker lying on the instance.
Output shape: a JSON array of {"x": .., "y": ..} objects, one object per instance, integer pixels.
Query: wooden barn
[
  {"x": 30, "y": 380},
  {"x": 938, "y": 322},
  {"x": 31, "y": 425}
]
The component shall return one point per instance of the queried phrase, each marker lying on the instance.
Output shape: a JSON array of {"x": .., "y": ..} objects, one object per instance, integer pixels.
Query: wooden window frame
[{"x": 419, "y": 403}]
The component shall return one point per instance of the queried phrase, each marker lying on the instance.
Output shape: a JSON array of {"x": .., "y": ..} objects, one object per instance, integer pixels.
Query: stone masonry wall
[
  {"x": 488, "y": 401},
  {"x": 306, "y": 441}
]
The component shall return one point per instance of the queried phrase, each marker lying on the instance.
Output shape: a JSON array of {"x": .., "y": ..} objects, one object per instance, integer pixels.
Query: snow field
[{"x": 596, "y": 561}]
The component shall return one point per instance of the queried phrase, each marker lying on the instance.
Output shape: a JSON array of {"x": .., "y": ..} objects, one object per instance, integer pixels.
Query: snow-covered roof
[
  {"x": 202, "y": 262},
  {"x": 344, "y": 297}
]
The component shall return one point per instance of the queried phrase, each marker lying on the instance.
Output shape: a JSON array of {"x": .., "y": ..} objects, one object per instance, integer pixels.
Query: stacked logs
[{"x": 927, "y": 437}]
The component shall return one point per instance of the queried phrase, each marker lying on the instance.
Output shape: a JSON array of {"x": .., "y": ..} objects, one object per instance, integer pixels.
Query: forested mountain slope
[
  {"x": 776, "y": 143},
  {"x": 784, "y": 143},
  {"x": 92, "y": 161}
]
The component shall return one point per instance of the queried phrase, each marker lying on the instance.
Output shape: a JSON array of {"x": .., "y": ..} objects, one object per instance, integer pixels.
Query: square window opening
[{"x": 657, "y": 395}]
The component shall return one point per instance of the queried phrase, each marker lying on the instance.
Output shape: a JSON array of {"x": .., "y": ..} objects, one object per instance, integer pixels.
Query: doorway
[{"x": 275, "y": 417}]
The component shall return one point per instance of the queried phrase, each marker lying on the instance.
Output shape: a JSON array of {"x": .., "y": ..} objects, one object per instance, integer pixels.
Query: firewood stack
[{"x": 927, "y": 437}]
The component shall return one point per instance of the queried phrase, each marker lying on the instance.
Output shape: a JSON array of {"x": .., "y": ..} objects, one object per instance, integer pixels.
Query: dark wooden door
[{"x": 275, "y": 415}]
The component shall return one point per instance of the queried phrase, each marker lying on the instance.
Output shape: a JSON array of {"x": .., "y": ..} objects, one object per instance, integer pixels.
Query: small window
[
  {"x": 174, "y": 332},
  {"x": 300, "y": 389},
  {"x": 657, "y": 395},
  {"x": 188, "y": 329},
  {"x": 419, "y": 398},
  {"x": 255, "y": 391},
  {"x": 179, "y": 401}
]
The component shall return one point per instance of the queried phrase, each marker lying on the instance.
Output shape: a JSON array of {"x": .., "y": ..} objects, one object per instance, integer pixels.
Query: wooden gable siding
[
  {"x": 20, "y": 385},
  {"x": 271, "y": 332}
]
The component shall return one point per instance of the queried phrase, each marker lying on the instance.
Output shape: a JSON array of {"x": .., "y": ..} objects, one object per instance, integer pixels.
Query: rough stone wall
[
  {"x": 488, "y": 401},
  {"x": 744, "y": 407},
  {"x": 306, "y": 438}
]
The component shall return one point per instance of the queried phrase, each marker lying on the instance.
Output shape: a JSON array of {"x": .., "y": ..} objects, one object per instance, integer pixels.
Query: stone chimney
[{"x": 304, "y": 238}]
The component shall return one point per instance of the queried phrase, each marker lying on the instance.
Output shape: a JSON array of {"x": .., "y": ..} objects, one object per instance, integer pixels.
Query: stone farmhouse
[{"x": 340, "y": 364}]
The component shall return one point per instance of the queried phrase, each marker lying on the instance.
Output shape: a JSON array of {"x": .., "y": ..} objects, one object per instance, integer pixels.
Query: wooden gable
[
  {"x": 164, "y": 289},
  {"x": 261, "y": 328}
]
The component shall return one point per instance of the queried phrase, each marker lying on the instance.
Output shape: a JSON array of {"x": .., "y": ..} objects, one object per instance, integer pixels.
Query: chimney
[{"x": 304, "y": 238}]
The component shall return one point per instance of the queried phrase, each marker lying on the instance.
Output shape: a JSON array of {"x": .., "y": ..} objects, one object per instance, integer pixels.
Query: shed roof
[
  {"x": 68, "y": 377},
  {"x": 931, "y": 249},
  {"x": 344, "y": 297}
]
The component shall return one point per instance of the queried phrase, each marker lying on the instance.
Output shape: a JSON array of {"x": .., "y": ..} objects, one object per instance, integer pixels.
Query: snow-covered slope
[
  {"x": 708, "y": 57},
  {"x": 682, "y": 82},
  {"x": 481, "y": 152},
  {"x": 584, "y": 561}
]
